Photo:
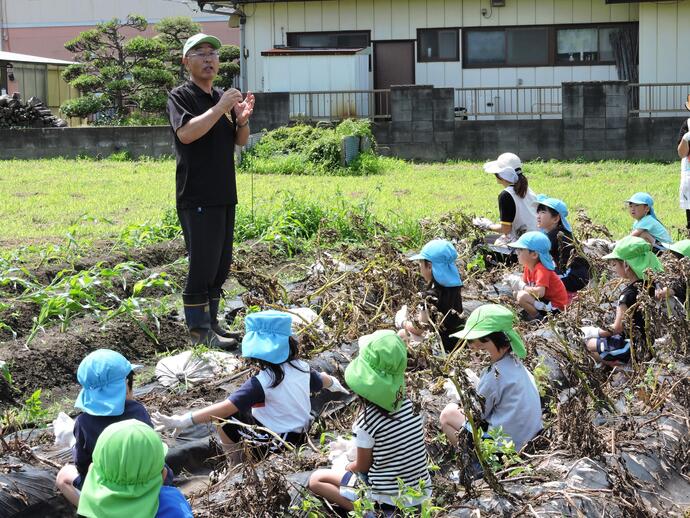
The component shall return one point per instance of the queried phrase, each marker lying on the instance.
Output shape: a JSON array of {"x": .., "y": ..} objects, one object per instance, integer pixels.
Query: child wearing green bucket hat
[
  {"x": 544, "y": 291},
  {"x": 647, "y": 225},
  {"x": 632, "y": 257},
  {"x": 552, "y": 219},
  {"x": 389, "y": 434},
  {"x": 126, "y": 477},
  {"x": 443, "y": 291},
  {"x": 276, "y": 399},
  {"x": 679, "y": 288},
  {"x": 106, "y": 397},
  {"x": 511, "y": 397}
]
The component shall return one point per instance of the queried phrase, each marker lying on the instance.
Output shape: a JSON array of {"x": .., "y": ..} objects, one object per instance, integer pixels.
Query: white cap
[{"x": 506, "y": 160}]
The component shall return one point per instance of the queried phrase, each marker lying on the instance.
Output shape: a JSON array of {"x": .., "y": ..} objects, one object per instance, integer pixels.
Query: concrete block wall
[{"x": 595, "y": 126}]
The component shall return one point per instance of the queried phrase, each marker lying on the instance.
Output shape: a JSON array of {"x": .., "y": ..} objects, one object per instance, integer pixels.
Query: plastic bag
[
  {"x": 342, "y": 452},
  {"x": 63, "y": 429},
  {"x": 302, "y": 317},
  {"x": 189, "y": 368}
]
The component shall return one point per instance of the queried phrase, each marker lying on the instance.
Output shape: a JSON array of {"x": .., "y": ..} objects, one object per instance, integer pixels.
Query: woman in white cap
[{"x": 516, "y": 203}]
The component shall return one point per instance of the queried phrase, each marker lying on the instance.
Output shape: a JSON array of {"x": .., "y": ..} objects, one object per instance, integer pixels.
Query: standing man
[
  {"x": 683, "y": 152},
  {"x": 207, "y": 124}
]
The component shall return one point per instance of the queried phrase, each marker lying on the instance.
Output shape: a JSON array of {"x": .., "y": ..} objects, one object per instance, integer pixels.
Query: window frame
[
  {"x": 553, "y": 42},
  {"x": 421, "y": 58},
  {"x": 288, "y": 35}
]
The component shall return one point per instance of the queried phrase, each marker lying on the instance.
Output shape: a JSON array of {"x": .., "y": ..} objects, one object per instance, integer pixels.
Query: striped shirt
[{"x": 398, "y": 449}]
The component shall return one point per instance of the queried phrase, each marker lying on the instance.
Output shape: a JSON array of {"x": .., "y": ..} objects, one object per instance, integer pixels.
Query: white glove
[
  {"x": 686, "y": 137},
  {"x": 176, "y": 423},
  {"x": 400, "y": 317},
  {"x": 515, "y": 281},
  {"x": 483, "y": 223},
  {"x": 336, "y": 386},
  {"x": 590, "y": 332}
]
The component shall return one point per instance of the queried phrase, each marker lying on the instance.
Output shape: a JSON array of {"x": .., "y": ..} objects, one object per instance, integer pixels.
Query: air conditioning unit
[{"x": 498, "y": 3}]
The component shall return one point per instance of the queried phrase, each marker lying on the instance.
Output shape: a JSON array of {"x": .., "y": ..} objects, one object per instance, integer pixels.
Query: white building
[{"x": 470, "y": 43}]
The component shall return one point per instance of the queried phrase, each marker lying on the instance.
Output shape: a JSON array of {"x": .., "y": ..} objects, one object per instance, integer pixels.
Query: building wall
[
  {"x": 41, "y": 27},
  {"x": 267, "y": 25},
  {"x": 664, "y": 42}
]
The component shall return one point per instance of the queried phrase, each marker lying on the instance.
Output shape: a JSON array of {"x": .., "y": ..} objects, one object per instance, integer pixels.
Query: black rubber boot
[
  {"x": 215, "y": 324},
  {"x": 200, "y": 333}
]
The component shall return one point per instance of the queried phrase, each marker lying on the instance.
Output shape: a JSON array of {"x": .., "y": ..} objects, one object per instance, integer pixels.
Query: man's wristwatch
[{"x": 242, "y": 125}]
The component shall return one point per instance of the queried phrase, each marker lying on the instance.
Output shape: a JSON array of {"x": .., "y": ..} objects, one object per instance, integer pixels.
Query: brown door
[{"x": 393, "y": 65}]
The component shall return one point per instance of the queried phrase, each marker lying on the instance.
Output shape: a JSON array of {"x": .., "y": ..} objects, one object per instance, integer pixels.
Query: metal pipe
[{"x": 243, "y": 53}]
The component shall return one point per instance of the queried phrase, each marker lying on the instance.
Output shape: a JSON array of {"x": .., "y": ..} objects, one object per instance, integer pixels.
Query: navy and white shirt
[
  {"x": 398, "y": 449},
  {"x": 285, "y": 408}
]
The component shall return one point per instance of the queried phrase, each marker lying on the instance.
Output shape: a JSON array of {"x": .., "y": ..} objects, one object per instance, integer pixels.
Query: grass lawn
[{"x": 41, "y": 199}]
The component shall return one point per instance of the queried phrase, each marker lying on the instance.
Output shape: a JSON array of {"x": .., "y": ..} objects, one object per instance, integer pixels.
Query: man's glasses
[{"x": 204, "y": 55}]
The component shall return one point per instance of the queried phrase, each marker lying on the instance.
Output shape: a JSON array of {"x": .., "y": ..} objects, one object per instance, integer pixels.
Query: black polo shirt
[{"x": 205, "y": 168}]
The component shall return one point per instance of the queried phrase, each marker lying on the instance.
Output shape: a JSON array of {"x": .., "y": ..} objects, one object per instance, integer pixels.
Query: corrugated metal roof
[{"x": 14, "y": 57}]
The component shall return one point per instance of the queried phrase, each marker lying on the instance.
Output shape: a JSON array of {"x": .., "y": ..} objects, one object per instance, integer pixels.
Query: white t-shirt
[
  {"x": 511, "y": 399},
  {"x": 525, "y": 212},
  {"x": 287, "y": 407}
]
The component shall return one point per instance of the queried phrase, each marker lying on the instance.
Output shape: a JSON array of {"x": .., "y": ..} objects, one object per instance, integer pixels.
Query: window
[
  {"x": 329, "y": 40},
  {"x": 540, "y": 46},
  {"x": 516, "y": 46},
  {"x": 437, "y": 45},
  {"x": 585, "y": 45}
]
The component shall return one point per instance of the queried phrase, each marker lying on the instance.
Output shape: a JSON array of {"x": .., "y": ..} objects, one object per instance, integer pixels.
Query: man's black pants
[{"x": 208, "y": 234}]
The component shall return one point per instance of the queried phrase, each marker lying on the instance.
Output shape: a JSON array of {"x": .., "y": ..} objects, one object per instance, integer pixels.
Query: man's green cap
[
  {"x": 491, "y": 318},
  {"x": 681, "y": 247},
  {"x": 637, "y": 252},
  {"x": 198, "y": 39},
  {"x": 125, "y": 477},
  {"x": 378, "y": 373}
]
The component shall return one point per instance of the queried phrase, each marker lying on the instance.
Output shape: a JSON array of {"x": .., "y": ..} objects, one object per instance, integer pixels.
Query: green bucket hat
[
  {"x": 125, "y": 477},
  {"x": 681, "y": 247},
  {"x": 491, "y": 318},
  {"x": 378, "y": 373},
  {"x": 198, "y": 39},
  {"x": 637, "y": 252}
]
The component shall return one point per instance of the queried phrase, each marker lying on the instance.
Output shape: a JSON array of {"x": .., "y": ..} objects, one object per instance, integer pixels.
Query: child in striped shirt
[{"x": 389, "y": 434}]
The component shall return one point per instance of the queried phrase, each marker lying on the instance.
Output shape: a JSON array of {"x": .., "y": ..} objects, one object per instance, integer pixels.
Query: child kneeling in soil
[
  {"x": 552, "y": 219},
  {"x": 389, "y": 434},
  {"x": 511, "y": 397},
  {"x": 276, "y": 399},
  {"x": 443, "y": 291},
  {"x": 647, "y": 225},
  {"x": 106, "y": 397},
  {"x": 127, "y": 474},
  {"x": 678, "y": 288},
  {"x": 631, "y": 257},
  {"x": 544, "y": 291}
]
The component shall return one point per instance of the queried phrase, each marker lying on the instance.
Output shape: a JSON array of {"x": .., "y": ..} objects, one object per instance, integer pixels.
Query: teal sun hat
[
  {"x": 538, "y": 242},
  {"x": 442, "y": 255},
  {"x": 557, "y": 205},
  {"x": 267, "y": 336},
  {"x": 103, "y": 377},
  {"x": 198, "y": 39},
  {"x": 642, "y": 198}
]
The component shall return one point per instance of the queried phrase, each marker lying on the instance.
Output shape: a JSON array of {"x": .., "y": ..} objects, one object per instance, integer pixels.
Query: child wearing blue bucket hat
[
  {"x": 106, "y": 397},
  {"x": 443, "y": 291},
  {"x": 276, "y": 399},
  {"x": 544, "y": 291},
  {"x": 647, "y": 225},
  {"x": 552, "y": 219}
]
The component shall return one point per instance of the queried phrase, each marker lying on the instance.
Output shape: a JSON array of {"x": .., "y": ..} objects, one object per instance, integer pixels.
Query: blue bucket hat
[
  {"x": 103, "y": 377},
  {"x": 642, "y": 198},
  {"x": 536, "y": 242},
  {"x": 442, "y": 255},
  {"x": 267, "y": 336},
  {"x": 557, "y": 205}
]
